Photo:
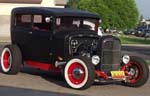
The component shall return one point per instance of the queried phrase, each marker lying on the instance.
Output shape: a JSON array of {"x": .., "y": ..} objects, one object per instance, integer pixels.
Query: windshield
[{"x": 77, "y": 23}]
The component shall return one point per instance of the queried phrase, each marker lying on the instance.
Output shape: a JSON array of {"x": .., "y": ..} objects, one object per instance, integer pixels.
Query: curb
[{"x": 139, "y": 45}]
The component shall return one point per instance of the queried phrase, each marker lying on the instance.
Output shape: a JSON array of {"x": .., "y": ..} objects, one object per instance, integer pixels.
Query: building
[
  {"x": 145, "y": 24},
  {"x": 7, "y": 5}
]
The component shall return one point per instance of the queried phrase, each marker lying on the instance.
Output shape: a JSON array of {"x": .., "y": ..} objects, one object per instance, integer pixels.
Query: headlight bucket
[
  {"x": 95, "y": 59},
  {"x": 126, "y": 59}
]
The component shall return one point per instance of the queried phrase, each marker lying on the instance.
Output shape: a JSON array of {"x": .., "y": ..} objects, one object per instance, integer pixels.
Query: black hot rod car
[{"x": 66, "y": 41}]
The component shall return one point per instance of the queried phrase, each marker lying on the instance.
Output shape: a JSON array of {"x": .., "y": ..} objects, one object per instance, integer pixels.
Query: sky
[{"x": 144, "y": 8}]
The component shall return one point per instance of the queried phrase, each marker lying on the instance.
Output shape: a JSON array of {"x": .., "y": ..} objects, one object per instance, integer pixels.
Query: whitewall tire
[
  {"x": 11, "y": 59},
  {"x": 79, "y": 73}
]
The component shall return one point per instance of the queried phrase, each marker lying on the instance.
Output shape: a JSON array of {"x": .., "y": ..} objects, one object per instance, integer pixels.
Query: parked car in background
[
  {"x": 146, "y": 33},
  {"x": 130, "y": 32},
  {"x": 139, "y": 32},
  {"x": 143, "y": 33}
]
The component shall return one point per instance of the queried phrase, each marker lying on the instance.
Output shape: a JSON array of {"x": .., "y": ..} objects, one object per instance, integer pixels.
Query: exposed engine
[{"x": 83, "y": 46}]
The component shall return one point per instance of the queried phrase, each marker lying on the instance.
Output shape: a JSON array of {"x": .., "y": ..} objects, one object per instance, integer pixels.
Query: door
[
  {"x": 21, "y": 33},
  {"x": 34, "y": 39},
  {"x": 40, "y": 39}
]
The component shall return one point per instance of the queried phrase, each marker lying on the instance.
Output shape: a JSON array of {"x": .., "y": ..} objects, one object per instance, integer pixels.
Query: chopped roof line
[{"x": 55, "y": 11}]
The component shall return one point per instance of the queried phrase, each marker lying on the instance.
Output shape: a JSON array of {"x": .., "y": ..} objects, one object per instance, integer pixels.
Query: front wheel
[
  {"x": 137, "y": 72},
  {"x": 79, "y": 73}
]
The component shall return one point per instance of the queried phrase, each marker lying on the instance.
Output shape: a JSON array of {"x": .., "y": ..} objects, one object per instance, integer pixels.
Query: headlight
[
  {"x": 126, "y": 59},
  {"x": 95, "y": 59}
]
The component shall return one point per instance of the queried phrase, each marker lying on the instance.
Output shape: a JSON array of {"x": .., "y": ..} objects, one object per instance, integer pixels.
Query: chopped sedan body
[{"x": 67, "y": 41}]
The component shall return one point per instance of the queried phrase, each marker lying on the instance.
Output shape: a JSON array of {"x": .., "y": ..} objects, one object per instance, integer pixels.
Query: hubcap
[
  {"x": 76, "y": 73},
  {"x": 132, "y": 72}
]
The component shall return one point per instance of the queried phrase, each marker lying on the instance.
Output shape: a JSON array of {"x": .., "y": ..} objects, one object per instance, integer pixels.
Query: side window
[
  {"x": 41, "y": 23},
  {"x": 37, "y": 19},
  {"x": 23, "y": 21}
]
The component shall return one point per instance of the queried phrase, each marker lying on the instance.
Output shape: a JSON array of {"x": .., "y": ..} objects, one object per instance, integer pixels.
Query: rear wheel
[
  {"x": 79, "y": 73},
  {"x": 11, "y": 59},
  {"x": 137, "y": 72}
]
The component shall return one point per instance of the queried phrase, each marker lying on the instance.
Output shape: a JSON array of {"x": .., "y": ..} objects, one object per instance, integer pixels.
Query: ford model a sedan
[{"x": 66, "y": 41}]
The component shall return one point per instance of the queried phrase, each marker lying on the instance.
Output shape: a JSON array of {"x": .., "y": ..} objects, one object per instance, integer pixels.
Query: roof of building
[
  {"x": 22, "y": 1},
  {"x": 54, "y": 12},
  {"x": 60, "y": 2}
]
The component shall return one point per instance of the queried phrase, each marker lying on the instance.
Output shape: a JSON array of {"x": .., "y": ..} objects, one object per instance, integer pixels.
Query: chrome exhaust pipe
[{"x": 57, "y": 63}]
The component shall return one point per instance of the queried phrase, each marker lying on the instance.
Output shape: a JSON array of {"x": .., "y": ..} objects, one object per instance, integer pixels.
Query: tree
[
  {"x": 119, "y": 14},
  {"x": 72, "y": 4}
]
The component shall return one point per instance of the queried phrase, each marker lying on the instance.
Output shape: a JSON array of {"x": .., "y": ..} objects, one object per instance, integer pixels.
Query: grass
[
  {"x": 148, "y": 62},
  {"x": 133, "y": 40}
]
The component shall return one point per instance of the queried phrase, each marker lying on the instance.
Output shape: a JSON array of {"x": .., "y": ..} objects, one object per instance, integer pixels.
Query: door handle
[{"x": 30, "y": 32}]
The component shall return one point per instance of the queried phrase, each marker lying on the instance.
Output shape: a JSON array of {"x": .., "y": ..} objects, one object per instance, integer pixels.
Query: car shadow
[
  {"x": 14, "y": 91},
  {"x": 108, "y": 83},
  {"x": 55, "y": 78},
  {"x": 58, "y": 79}
]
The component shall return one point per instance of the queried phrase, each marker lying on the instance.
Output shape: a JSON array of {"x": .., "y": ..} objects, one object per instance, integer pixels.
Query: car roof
[{"x": 54, "y": 12}]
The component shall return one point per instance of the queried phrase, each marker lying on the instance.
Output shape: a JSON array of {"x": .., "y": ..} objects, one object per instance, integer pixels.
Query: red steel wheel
[
  {"x": 79, "y": 73},
  {"x": 6, "y": 59},
  {"x": 134, "y": 72},
  {"x": 137, "y": 72},
  {"x": 76, "y": 73}
]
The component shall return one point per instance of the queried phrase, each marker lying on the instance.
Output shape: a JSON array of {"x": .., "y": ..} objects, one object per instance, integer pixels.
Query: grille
[{"x": 110, "y": 54}]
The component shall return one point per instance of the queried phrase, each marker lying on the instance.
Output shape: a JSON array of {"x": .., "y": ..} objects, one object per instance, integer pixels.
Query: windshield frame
[{"x": 96, "y": 22}]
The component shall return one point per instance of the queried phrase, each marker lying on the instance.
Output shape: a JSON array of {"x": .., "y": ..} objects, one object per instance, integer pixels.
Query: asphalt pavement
[
  {"x": 33, "y": 82},
  {"x": 142, "y": 51}
]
